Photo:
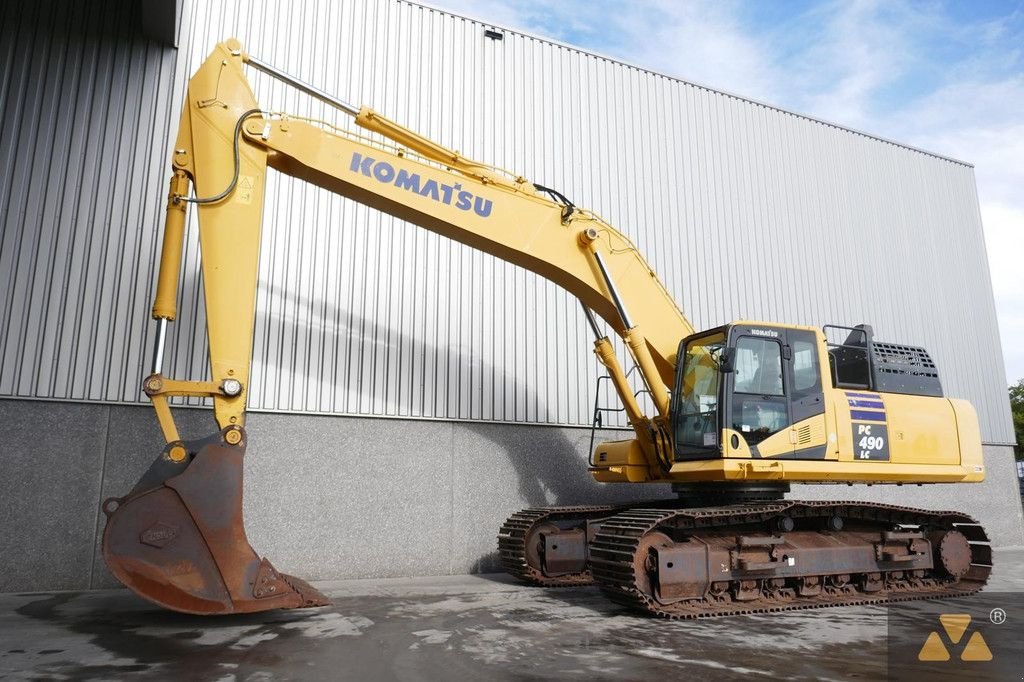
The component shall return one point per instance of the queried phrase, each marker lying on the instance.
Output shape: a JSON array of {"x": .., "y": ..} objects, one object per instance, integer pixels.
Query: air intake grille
[{"x": 803, "y": 435}]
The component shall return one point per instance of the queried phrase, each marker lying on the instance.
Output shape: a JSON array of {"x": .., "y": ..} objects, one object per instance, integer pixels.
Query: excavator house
[{"x": 735, "y": 414}]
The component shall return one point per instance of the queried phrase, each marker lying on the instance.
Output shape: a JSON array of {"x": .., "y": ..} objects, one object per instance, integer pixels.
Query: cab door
[
  {"x": 758, "y": 407},
  {"x": 807, "y": 399},
  {"x": 696, "y": 400},
  {"x": 776, "y": 404}
]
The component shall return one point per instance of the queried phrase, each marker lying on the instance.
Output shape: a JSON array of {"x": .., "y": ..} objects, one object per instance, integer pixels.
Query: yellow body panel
[
  {"x": 921, "y": 429},
  {"x": 927, "y": 440},
  {"x": 816, "y": 471},
  {"x": 794, "y": 442},
  {"x": 621, "y": 460},
  {"x": 969, "y": 433}
]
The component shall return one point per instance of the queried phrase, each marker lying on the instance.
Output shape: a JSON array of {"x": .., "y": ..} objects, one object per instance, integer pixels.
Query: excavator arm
[{"x": 178, "y": 538}]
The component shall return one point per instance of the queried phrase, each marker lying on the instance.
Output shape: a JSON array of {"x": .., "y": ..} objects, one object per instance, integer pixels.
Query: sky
[{"x": 944, "y": 76}]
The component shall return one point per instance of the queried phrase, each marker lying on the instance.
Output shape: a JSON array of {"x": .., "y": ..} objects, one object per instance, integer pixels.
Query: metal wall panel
[
  {"x": 745, "y": 210},
  {"x": 85, "y": 109}
]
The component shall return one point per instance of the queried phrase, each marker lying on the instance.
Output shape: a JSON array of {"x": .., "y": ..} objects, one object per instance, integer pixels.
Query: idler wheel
[
  {"x": 533, "y": 548},
  {"x": 643, "y": 561}
]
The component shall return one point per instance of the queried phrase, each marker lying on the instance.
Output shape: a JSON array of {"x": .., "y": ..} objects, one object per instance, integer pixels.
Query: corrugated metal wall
[
  {"x": 84, "y": 120},
  {"x": 744, "y": 210}
]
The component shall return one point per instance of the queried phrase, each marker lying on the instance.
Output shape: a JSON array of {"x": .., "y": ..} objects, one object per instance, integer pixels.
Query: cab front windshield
[{"x": 695, "y": 413}]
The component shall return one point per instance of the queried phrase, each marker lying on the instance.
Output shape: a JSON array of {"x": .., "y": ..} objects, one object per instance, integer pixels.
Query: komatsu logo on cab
[{"x": 450, "y": 195}]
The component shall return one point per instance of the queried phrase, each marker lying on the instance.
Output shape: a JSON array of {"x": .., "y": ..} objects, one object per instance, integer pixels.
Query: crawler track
[
  {"x": 613, "y": 557},
  {"x": 519, "y": 529},
  {"x": 620, "y": 538}
]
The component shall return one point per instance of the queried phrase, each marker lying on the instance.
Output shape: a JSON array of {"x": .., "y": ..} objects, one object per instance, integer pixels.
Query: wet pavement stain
[
  {"x": 453, "y": 628},
  {"x": 127, "y": 635},
  {"x": 519, "y": 634}
]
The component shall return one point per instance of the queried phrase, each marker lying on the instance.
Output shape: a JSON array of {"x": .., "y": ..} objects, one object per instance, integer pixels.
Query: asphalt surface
[{"x": 450, "y": 628}]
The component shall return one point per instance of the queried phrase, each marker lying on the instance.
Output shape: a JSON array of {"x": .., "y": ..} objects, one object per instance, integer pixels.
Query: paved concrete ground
[{"x": 445, "y": 628}]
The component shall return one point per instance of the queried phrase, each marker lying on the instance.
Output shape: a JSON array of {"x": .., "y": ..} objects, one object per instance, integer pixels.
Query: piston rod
[
  {"x": 590, "y": 319},
  {"x": 302, "y": 85},
  {"x": 158, "y": 349},
  {"x": 628, "y": 323}
]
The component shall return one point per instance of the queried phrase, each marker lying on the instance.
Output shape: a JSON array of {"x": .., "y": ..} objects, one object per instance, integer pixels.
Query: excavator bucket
[{"x": 178, "y": 538}]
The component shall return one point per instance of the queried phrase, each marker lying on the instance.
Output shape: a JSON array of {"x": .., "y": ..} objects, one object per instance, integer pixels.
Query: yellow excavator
[{"x": 738, "y": 412}]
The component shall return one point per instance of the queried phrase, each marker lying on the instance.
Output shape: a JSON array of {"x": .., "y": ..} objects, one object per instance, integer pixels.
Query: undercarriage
[{"x": 674, "y": 560}]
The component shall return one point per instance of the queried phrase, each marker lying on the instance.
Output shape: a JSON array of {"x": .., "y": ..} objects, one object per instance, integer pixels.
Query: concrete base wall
[{"x": 341, "y": 497}]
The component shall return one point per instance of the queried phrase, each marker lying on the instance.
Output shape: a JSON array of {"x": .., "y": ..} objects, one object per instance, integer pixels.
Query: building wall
[
  {"x": 746, "y": 211},
  {"x": 329, "y": 498},
  {"x": 325, "y": 497}
]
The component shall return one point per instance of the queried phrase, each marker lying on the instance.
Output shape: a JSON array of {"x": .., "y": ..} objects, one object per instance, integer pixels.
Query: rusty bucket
[{"x": 178, "y": 538}]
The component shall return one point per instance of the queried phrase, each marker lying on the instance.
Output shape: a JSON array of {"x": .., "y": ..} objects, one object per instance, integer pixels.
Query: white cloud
[
  {"x": 703, "y": 42},
  {"x": 858, "y": 51},
  {"x": 504, "y": 13},
  {"x": 978, "y": 121},
  {"x": 698, "y": 41}
]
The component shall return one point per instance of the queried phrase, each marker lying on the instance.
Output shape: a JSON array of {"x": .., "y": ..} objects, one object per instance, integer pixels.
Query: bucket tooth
[{"x": 178, "y": 539}]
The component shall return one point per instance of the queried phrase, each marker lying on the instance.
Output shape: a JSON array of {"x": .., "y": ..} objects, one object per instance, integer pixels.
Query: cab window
[
  {"x": 759, "y": 406},
  {"x": 806, "y": 375},
  {"x": 758, "y": 366},
  {"x": 695, "y": 415},
  {"x": 807, "y": 398}
]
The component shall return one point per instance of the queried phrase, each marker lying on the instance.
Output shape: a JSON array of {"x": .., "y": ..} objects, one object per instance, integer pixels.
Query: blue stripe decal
[
  {"x": 870, "y": 396},
  {"x": 866, "y": 403},
  {"x": 867, "y": 416}
]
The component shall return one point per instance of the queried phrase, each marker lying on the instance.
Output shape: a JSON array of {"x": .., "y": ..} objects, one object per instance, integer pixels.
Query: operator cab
[
  {"x": 755, "y": 380},
  {"x": 751, "y": 381}
]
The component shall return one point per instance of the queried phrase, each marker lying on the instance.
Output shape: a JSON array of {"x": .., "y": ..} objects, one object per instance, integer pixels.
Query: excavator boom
[{"x": 178, "y": 537}]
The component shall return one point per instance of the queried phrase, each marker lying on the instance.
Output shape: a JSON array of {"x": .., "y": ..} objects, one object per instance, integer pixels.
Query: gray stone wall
[{"x": 345, "y": 497}]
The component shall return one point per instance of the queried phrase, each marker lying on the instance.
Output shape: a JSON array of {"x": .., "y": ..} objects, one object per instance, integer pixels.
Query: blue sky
[{"x": 943, "y": 76}]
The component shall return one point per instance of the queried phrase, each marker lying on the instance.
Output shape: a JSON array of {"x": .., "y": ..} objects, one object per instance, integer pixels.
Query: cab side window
[
  {"x": 807, "y": 397},
  {"x": 759, "y": 405},
  {"x": 806, "y": 375},
  {"x": 758, "y": 366}
]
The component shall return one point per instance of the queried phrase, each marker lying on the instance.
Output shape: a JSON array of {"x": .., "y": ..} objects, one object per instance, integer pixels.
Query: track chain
[
  {"x": 516, "y": 530},
  {"x": 613, "y": 550}
]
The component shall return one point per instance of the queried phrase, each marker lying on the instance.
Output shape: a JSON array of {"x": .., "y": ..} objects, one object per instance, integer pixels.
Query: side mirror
[{"x": 725, "y": 360}]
